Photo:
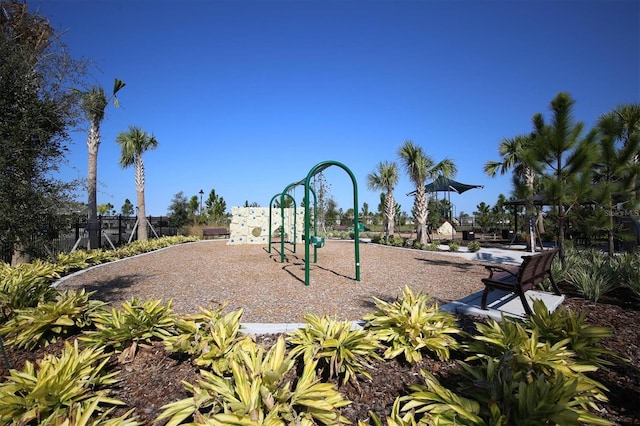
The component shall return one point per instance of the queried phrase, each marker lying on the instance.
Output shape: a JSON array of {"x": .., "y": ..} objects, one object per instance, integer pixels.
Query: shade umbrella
[{"x": 445, "y": 184}]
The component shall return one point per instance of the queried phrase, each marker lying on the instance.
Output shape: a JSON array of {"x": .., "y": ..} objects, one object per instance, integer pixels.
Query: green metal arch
[
  {"x": 282, "y": 195},
  {"x": 307, "y": 188}
]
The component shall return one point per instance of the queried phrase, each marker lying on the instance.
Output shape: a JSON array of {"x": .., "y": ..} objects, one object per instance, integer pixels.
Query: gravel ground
[{"x": 210, "y": 273}]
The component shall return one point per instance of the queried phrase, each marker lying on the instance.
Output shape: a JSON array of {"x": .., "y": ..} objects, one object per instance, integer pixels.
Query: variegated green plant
[
  {"x": 90, "y": 413},
  {"x": 438, "y": 405},
  {"x": 395, "y": 418},
  {"x": 563, "y": 323},
  {"x": 81, "y": 259},
  {"x": 133, "y": 323},
  {"x": 30, "y": 328},
  {"x": 411, "y": 324},
  {"x": 340, "y": 349},
  {"x": 527, "y": 371},
  {"x": 25, "y": 285},
  {"x": 502, "y": 392},
  {"x": 258, "y": 392},
  {"x": 56, "y": 387},
  {"x": 628, "y": 270},
  {"x": 209, "y": 335}
]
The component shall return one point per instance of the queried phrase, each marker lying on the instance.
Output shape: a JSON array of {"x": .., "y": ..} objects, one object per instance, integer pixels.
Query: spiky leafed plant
[
  {"x": 135, "y": 322},
  {"x": 259, "y": 391},
  {"x": 25, "y": 285},
  {"x": 50, "y": 321},
  {"x": 340, "y": 349},
  {"x": 419, "y": 168},
  {"x": 133, "y": 144},
  {"x": 56, "y": 387},
  {"x": 94, "y": 103},
  {"x": 385, "y": 178},
  {"x": 412, "y": 324},
  {"x": 209, "y": 336}
]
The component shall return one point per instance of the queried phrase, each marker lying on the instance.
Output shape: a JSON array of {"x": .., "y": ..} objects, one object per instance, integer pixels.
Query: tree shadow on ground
[
  {"x": 107, "y": 290},
  {"x": 439, "y": 262}
]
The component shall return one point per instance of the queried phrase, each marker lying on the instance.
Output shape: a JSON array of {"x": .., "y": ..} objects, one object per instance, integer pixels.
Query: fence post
[{"x": 99, "y": 231}]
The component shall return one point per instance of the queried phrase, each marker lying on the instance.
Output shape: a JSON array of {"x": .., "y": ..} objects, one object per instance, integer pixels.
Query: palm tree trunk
[
  {"x": 420, "y": 213},
  {"x": 530, "y": 208},
  {"x": 389, "y": 212},
  {"x": 139, "y": 178},
  {"x": 93, "y": 143}
]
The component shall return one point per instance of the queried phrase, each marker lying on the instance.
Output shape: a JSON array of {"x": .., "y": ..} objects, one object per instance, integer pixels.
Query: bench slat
[
  {"x": 532, "y": 271},
  {"x": 215, "y": 232}
]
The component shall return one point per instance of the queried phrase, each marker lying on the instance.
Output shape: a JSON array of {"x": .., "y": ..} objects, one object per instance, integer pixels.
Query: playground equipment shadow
[{"x": 499, "y": 303}]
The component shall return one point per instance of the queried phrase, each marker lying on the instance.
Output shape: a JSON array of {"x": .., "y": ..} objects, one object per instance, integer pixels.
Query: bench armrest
[{"x": 496, "y": 268}]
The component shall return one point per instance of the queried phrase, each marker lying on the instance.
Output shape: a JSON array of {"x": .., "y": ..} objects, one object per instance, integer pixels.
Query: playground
[{"x": 210, "y": 273}]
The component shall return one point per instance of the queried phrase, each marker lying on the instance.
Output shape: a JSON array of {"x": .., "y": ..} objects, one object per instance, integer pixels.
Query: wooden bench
[
  {"x": 341, "y": 228},
  {"x": 215, "y": 232},
  {"x": 533, "y": 271}
]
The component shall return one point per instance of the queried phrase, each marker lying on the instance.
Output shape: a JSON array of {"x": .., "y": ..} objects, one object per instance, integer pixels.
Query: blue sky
[{"x": 245, "y": 97}]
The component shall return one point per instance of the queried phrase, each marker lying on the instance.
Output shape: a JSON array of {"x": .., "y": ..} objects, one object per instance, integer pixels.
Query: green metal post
[{"x": 307, "y": 186}]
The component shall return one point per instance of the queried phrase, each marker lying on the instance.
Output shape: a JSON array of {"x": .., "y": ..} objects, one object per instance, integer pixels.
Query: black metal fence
[{"x": 114, "y": 231}]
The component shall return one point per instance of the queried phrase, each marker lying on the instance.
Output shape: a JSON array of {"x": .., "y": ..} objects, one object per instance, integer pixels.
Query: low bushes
[
  {"x": 593, "y": 273},
  {"x": 513, "y": 372}
]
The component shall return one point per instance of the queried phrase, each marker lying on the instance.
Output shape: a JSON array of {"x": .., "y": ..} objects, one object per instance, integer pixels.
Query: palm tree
[
  {"x": 94, "y": 102},
  {"x": 515, "y": 153},
  {"x": 419, "y": 168},
  {"x": 385, "y": 178},
  {"x": 133, "y": 144},
  {"x": 617, "y": 169},
  {"x": 628, "y": 117}
]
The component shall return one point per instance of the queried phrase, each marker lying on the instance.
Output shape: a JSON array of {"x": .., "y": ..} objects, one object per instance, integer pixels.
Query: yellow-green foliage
[
  {"x": 411, "y": 324},
  {"x": 209, "y": 335},
  {"x": 26, "y": 285},
  {"x": 519, "y": 373},
  {"x": 135, "y": 322},
  {"x": 49, "y": 321},
  {"x": 338, "y": 347},
  {"x": 81, "y": 259},
  {"x": 258, "y": 392},
  {"x": 57, "y": 387}
]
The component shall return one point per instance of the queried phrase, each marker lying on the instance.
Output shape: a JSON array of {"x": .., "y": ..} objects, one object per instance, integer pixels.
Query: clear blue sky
[{"x": 245, "y": 97}]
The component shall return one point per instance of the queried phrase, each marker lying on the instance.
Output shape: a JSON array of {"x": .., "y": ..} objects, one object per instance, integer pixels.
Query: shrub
[
  {"x": 134, "y": 322},
  {"x": 339, "y": 349},
  {"x": 258, "y": 392},
  {"x": 81, "y": 259},
  {"x": 210, "y": 336},
  {"x": 418, "y": 245},
  {"x": 593, "y": 283},
  {"x": 59, "y": 386},
  {"x": 592, "y": 273},
  {"x": 26, "y": 285},
  {"x": 519, "y": 373},
  {"x": 453, "y": 246},
  {"x": 628, "y": 270},
  {"x": 49, "y": 321},
  {"x": 412, "y": 323},
  {"x": 377, "y": 239},
  {"x": 433, "y": 246},
  {"x": 473, "y": 246}
]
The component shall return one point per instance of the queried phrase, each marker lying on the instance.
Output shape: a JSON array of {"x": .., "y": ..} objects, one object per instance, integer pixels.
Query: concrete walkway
[{"x": 499, "y": 302}]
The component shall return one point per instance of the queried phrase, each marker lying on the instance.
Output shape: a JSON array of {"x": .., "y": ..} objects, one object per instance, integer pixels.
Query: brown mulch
[
  {"x": 269, "y": 291},
  {"x": 248, "y": 277}
]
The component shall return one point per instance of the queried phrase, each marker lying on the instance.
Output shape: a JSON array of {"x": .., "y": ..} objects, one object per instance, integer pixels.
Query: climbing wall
[{"x": 250, "y": 225}]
